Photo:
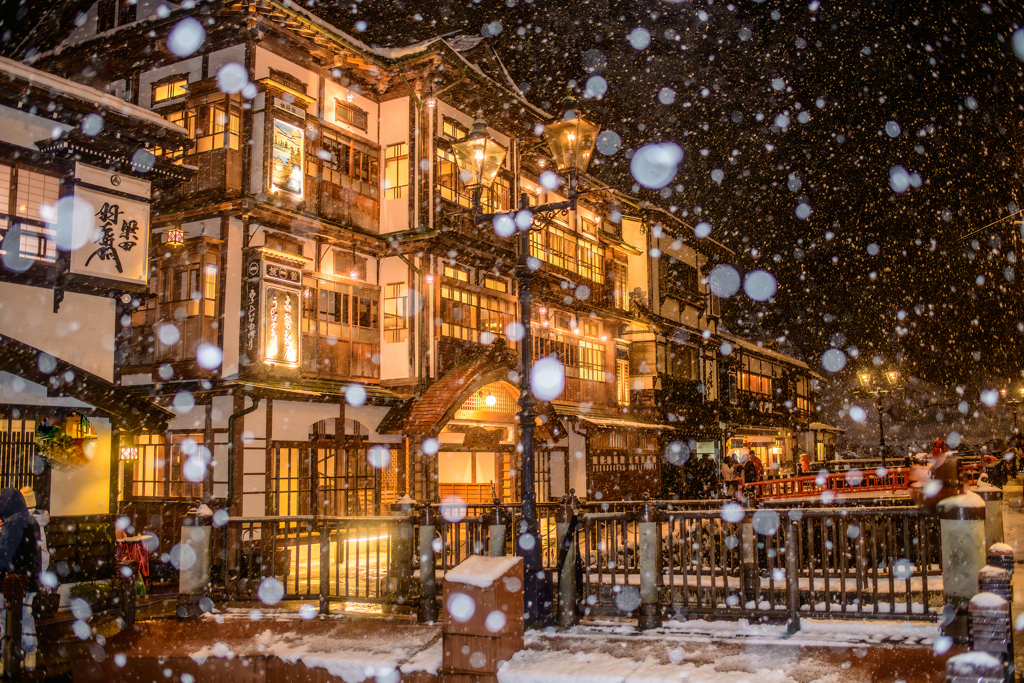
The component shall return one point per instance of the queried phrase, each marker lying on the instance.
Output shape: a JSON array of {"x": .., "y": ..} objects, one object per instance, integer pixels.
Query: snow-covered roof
[
  {"x": 751, "y": 346},
  {"x": 91, "y": 96}
]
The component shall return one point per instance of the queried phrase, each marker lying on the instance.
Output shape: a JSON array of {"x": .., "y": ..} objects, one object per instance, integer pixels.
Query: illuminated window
[
  {"x": 449, "y": 184},
  {"x": 396, "y": 322},
  {"x": 345, "y": 112},
  {"x": 158, "y": 471},
  {"x": 460, "y": 274},
  {"x": 459, "y": 310},
  {"x": 215, "y": 126},
  {"x": 345, "y": 264},
  {"x": 588, "y": 226},
  {"x": 210, "y": 281},
  {"x": 622, "y": 381},
  {"x": 617, "y": 277},
  {"x": 179, "y": 117},
  {"x": 498, "y": 197},
  {"x": 496, "y": 284},
  {"x": 169, "y": 91},
  {"x": 348, "y": 163},
  {"x": 396, "y": 171},
  {"x": 34, "y": 191},
  {"x": 452, "y": 129}
]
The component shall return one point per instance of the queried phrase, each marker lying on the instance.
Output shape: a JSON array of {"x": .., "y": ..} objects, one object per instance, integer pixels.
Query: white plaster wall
[
  {"x": 637, "y": 264},
  {"x": 256, "y": 182},
  {"x": 85, "y": 491},
  {"x": 334, "y": 92},
  {"x": 577, "y": 464},
  {"x": 81, "y": 333},
  {"x": 557, "y": 460},
  {"x": 193, "y": 67},
  {"x": 232, "y": 297},
  {"x": 293, "y": 420},
  {"x": 235, "y": 53},
  {"x": 394, "y": 128},
  {"x": 394, "y": 363},
  {"x": 266, "y": 60},
  {"x": 23, "y": 129}
]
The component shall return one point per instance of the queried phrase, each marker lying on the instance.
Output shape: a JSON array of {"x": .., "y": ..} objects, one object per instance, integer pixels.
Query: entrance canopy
[{"x": 426, "y": 414}]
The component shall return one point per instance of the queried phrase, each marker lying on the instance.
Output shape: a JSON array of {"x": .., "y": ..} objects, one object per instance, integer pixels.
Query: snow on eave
[
  {"x": 644, "y": 204},
  {"x": 515, "y": 95},
  {"x": 751, "y": 346},
  {"x": 101, "y": 100}
]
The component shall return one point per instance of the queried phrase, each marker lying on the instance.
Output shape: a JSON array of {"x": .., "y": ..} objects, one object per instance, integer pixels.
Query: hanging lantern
[
  {"x": 350, "y": 96},
  {"x": 129, "y": 453},
  {"x": 479, "y": 156},
  {"x": 431, "y": 102},
  {"x": 175, "y": 237}
]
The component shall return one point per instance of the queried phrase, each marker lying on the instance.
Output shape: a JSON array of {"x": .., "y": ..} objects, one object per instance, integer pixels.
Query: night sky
[{"x": 721, "y": 78}]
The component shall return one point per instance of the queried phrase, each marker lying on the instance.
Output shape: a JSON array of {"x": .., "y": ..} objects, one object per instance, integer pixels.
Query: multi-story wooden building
[
  {"x": 77, "y": 176},
  {"x": 329, "y": 324}
]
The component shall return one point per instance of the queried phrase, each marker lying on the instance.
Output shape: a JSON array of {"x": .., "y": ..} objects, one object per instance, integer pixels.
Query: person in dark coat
[
  {"x": 705, "y": 476},
  {"x": 20, "y": 554}
]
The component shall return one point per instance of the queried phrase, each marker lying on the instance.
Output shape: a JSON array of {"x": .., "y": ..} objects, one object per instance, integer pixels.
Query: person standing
[
  {"x": 20, "y": 556},
  {"x": 729, "y": 475},
  {"x": 28, "y": 623}
]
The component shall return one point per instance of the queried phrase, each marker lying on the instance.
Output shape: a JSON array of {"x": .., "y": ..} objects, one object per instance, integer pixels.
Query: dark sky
[{"x": 944, "y": 72}]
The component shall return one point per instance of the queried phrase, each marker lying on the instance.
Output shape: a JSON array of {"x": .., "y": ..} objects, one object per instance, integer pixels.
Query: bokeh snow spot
[
  {"x": 654, "y": 165},
  {"x": 760, "y": 285},
  {"x": 271, "y": 591},
  {"x": 547, "y": 379},
  {"x": 724, "y": 281},
  {"x": 186, "y": 37},
  {"x": 461, "y": 607}
]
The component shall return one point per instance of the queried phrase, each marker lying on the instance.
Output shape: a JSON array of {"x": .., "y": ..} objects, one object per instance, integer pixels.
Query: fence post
[
  {"x": 496, "y": 532},
  {"x": 127, "y": 572},
  {"x": 567, "y": 551},
  {"x": 749, "y": 580},
  {"x": 650, "y": 573},
  {"x": 194, "y": 579},
  {"x": 962, "y": 527},
  {"x": 993, "y": 498},
  {"x": 792, "y": 576},
  {"x": 325, "y": 567},
  {"x": 428, "y": 584}
]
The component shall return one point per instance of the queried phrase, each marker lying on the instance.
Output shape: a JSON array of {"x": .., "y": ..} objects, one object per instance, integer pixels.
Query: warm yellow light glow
[
  {"x": 892, "y": 376},
  {"x": 543, "y": 310},
  {"x": 865, "y": 379},
  {"x": 353, "y": 274},
  {"x": 430, "y": 278},
  {"x": 175, "y": 237},
  {"x": 490, "y": 400},
  {"x": 350, "y": 96},
  {"x": 129, "y": 453}
]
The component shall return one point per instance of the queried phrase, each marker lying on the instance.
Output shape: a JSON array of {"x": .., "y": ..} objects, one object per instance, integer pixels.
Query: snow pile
[
  {"x": 973, "y": 664},
  {"x": 988, "y": 601},
  {"x": 352, "y": 658},
  {"x": 964, "y": 500},
  {"x": 481, "y": 571},
  {"x": 1001, "y": 549},
  {"x": 428, "y": 660},
  {"x": 597, "y": 667}
]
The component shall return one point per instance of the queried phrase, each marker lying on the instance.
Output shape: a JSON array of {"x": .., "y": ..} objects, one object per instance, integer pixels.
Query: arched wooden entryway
[{"x": 329, "y": 474}]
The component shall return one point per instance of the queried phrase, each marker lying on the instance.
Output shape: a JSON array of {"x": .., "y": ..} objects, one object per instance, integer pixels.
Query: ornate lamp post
[
  {"x": 1013, "y": 403},
  {"x": 571, "y": 140},
  {"x": 876, "y": 391}
]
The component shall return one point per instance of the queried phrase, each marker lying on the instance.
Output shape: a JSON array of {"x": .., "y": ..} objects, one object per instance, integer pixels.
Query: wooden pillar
[{"x": 115, "y": 462}]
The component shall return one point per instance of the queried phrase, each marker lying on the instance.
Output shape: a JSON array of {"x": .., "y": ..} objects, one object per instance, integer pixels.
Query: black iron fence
[{"x": 710, "y": 558}]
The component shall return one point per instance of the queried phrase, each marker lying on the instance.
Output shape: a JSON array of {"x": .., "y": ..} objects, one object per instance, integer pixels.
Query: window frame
[{"x": 356, "y": 112}]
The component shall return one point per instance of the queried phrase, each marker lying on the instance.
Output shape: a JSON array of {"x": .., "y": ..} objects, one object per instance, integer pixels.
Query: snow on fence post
[
  {"x": 428, "y": 584},
  {"x": 567, "y": 526},
  {"x": 650, "y": 573},
  {"x": 962, "y": 526},
  {"x": 792, "y": 575},
  {"x": 977, "y": 667},
  {"x": 993, "y": 498},
  {"x": 496, "y": 532}
]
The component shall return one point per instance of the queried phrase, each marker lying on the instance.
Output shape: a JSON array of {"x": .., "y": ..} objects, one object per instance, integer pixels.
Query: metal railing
[{"x": 874, "y": 563}]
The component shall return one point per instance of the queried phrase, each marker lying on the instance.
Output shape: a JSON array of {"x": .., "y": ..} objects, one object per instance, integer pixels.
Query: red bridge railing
[{"x": 890, "y": 481}]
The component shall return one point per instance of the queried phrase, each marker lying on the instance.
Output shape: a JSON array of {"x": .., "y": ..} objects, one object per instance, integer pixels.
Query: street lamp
[
  {"x": 1013, "y": 403},
  {"x": 868, "y": 387},
  {"x": 571, "y": 140}
]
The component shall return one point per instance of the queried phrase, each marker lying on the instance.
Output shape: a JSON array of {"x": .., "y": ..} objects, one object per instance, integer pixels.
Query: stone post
[
  {"x": 650, "y": 571},
  {"x": 567, "y": 549},
  {"x": 127, "y": 573},
  {"x": 496, "y": 531},
  {"x": 401, "y": 570},
  {"x": 194, "y": 572},
  {"x": 962, "y": 527},
  {"x": 428, "y": 583},
  {"x": 993, "y": 498}
]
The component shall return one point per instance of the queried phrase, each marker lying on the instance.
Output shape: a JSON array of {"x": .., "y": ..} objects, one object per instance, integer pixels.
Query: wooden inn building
[{"x": 326, "y": 327}]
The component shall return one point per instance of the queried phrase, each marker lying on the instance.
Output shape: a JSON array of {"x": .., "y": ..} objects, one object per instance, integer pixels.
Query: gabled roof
[
  {"x": 134, "y": 412},
  {"x": 426, "y": 414}
]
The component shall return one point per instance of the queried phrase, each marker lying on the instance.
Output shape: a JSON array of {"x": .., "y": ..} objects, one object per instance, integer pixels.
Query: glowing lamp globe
[
  {"x": 571, "y": 139},
  {"x": 479, "y": 156}
]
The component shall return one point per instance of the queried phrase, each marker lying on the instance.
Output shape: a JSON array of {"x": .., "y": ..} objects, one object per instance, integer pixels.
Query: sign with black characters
[{"x": 110, "y": 232}]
